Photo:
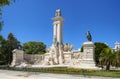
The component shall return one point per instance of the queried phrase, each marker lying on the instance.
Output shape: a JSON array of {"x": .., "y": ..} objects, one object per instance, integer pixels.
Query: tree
[
  {"x": 1, "y": 24},
  {"x": 116, "y": 61},
  {"x": 6, "y": 2},
  {"x": 12, "y": 41},
  {"x": 34, "y": 47},
  {"x": 11, "y": 44},
  {"x": 107, "y": 57},
  {"x": 6, "y": 48},
  {"x": 98, "y": 49},
  {"x": 81, "y": 50},
  {"x": 2, "y": 4},
  {"x": 2, "y": 53}
]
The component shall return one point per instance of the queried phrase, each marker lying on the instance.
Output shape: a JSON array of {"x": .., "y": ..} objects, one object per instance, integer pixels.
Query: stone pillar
[
  {"x": 88, "y": 56},
  {"x": 61, "y": 54},
  {"x": 57, "y": 37},
  {"x": 55, "y": 34},
  {"x": 59, "y": 32},
  {"x": 57, "y": 23},
  {"x": 18, "y": 57},
  {"x": 88, "y": 49}
]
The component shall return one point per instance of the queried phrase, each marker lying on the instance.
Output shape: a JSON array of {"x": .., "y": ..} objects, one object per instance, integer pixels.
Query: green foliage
[
  {"x": 107, "y": 57},
  {"x": 34, "y": 47},
  {"x": 12, "y": 42},
  {"x": 6, "y": 2},
  {"x": 116, "y": 61},
  {"x": 81, "y": 50},
  {"x": 2, "y": 55},
  {"x": 2, "y": 4},
  {"x": 6, "y": 48},
  {"x": 1, "y": 24},
  {"x": 104, "y": 56},
  {"x": 98, "y": 49}
]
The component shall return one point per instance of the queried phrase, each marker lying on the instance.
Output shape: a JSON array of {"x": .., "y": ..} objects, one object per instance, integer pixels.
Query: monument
[
  {"x": 88, "y": 53},
  {"x": 54, "y": 54},
  {"x": 57, "y": 37},
  {"x": 60, "y": 54},
  {"x": 17, "y": 57}
]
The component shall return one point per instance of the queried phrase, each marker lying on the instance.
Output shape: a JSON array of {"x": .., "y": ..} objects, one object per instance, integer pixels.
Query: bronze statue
[{"x": 89, "y": 37}]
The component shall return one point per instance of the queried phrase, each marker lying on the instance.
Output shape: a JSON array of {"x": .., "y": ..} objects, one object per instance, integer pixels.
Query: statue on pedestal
[{"x": 89, "y": 37}]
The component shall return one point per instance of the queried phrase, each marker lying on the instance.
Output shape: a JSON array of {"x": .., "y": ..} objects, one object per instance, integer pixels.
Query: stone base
[
  {"x": 66, "y": 66},
  {"x": 88, "y": 64},
  {"x": 49, "y": 66}
]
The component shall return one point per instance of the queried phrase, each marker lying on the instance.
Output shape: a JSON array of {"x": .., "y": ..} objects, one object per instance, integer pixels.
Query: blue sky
[{"x": 30, "y": 20}]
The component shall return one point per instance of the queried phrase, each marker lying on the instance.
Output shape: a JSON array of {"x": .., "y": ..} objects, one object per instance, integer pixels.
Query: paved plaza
[{"x": 5, "y": 74}]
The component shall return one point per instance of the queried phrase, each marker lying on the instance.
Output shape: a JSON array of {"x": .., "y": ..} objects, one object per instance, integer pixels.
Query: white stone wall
[
  {"x": 33, "y": 59},
  {"x": 17, "y": 57}
]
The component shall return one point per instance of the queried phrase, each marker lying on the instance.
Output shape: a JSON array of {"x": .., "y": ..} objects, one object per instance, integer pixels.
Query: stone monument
[
  {"x": 18, "y": 57},
  {"x": 59, "y": 54},
  {"x": 88, "y": 53},
  {"x": 54, "y": 54},
  {"x": 57, "y": 39}
]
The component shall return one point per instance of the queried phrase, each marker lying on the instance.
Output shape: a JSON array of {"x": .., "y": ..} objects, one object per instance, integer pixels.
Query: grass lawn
[
  {"x": 60, "y": 70},
  {"x": 105, "y": 73}
]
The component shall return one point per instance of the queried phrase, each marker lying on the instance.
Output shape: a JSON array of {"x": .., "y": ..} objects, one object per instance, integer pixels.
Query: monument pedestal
[
  {"x": 88, "y": 64},
  {"x": 17, "y": 57},
  {"x": 87, "y": 61}
]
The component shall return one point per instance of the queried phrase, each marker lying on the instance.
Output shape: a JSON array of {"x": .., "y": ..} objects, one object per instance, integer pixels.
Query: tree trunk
[{"x": 108, "y": 66}]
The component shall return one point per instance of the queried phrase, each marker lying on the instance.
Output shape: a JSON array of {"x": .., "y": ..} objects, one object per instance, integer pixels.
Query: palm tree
[
  {"x": 99, "y": 46},
  {"x": 118, "y": 57},
  {"x": 116, "y": 62},
  {"x": 106, "y": 58}
]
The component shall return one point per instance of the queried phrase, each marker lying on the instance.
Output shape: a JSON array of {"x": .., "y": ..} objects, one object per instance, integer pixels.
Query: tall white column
[
  {"x": 55, "y": 33},
  {"x": 58, "y": 22},
  {"x": 59, "y": 32}
]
